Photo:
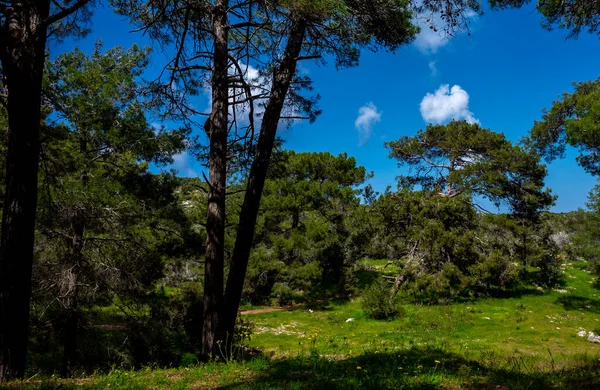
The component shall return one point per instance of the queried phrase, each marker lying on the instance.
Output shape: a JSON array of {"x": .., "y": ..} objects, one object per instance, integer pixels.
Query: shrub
[
  {"x": 437, "y": 287},
  {"x": 380, "y": 301},
  {"x": 496, "y": 271}
]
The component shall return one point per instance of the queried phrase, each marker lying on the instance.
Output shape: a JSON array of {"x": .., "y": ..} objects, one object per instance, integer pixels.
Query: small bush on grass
[{"x": 380, "y": 301}]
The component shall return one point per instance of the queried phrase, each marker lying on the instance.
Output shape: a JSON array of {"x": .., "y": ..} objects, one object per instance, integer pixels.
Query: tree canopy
[
  {"x": 572, "y": 120},
  {"x": 464, "y": 158}
]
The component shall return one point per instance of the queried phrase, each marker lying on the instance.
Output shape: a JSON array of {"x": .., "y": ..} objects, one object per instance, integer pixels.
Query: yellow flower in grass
[
  {"x": 437, "y": 361},
  {"x": 358, "y": 367}
]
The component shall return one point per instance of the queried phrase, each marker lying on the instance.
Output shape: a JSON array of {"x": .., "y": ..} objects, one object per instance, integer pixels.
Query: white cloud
[
  {"x": 434, "y": 31},
  {"x": 368, "y": 116},
  {"x": 447, "y": 104},
  {"x": 182, "y": 162},
  {"x": 430, "y": 40},
  {"x": 433, "y": 68},
  {"x": 259, "y": 88}
]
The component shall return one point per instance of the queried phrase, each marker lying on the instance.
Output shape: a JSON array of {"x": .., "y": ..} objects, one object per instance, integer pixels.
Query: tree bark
[
  {"x": 258, "y": 172},
  {"x": 215, "y": 222},
  {"x": 22, "y": 52},
  {"x": 72, "y": 313},
  {"x": 74, "y": 262}
]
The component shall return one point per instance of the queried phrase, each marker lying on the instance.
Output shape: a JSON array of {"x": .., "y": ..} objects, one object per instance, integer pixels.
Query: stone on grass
[{"x": 592, "y": 338}]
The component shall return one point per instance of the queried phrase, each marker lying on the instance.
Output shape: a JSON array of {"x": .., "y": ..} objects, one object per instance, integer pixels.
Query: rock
[
  {"x": 350, "y": 320},
  {"x": 582, "y": 333},
  {"x": 592, "y": 338}
]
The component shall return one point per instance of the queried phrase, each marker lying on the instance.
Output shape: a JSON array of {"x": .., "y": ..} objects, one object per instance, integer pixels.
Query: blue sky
[{"x": 502, "y": 75}]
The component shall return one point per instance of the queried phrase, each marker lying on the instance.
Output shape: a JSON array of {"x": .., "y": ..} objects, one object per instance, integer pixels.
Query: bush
[
  {"x": 172, "y": 328},
  {"x": 496, "y": 271},
  {"x": 437, "y": 287},
  {"x": 380, "y": 301}
]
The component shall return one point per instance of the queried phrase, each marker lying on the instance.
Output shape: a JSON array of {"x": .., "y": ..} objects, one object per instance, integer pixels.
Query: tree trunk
[
  {"x": 74, "y": 262},
  {"x": 22, "y": 46},
  {"x": 72, "y": 314},
  {"x": 215, "y": 222},
  {"x": 258, "y": 173}
]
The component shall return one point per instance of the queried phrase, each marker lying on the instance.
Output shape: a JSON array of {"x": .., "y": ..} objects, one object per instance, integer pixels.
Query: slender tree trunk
[
  {"x": 258, "y": 173},
  {"x": 74, "y": 261},
  {"x": 215, "y": 222},
  {"x": 72, "y": 314},
  {"x": 22, "y": 46}
]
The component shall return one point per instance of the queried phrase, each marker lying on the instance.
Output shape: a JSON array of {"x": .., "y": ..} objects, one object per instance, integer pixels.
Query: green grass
[
  {"x": 524, "y": 326},
  {"x": 523, "y": 342}
]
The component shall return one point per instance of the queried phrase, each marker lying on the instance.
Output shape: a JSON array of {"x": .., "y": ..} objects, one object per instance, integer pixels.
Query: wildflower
[
  {"x": 437, "y": 361},
  {"x": 419, "y": 367},
  {"x": 358, "y": 367}
]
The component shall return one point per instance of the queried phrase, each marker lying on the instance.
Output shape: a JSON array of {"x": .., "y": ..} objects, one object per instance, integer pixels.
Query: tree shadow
[
  {"x": 576, "y": 302},
  {"x": 416, "y": 368},
  {"x": 518, "y": 291},
  {"x": 365, "y": 277}
]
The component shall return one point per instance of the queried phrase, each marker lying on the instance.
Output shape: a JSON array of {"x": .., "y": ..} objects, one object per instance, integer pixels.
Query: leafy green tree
[
  {"x": 453, "y": 166},
  {"x": 572, "y": 120},
  {"x": 24, "y": 29},
  {"x": 103, "y": 215},
  {"x": 461, "y": 158},
  {"x": 303, "y": 239}
]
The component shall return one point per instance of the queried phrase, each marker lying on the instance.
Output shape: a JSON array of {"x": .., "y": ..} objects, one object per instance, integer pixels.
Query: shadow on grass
[
  {"x": 365, "y": 277},
  {"x": 415, "y": 369},
  {"x": 514, "y": 292},
  {"x": 576, "y": 302}
]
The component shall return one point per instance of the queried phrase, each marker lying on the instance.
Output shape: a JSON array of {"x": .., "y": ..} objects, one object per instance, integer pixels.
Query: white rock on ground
[{"x": 592, "y": 338}]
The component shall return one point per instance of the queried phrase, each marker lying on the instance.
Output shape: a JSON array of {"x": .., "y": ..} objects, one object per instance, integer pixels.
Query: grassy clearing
[
  {"x": 526, "y": 326},
  {"x": 522, "y": 342}
]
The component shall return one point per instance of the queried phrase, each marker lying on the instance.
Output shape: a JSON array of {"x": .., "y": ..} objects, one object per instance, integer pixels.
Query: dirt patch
[
  {"x": 286, "y": 329},
  {"x": 285, "y": 308}
]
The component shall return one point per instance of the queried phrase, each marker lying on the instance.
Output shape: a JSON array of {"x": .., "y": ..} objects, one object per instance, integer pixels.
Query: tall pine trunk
[
  {"x": 22, "y": 47},
  {"x": 258, "y": 173},
  {"x": 215, "y": 222}
]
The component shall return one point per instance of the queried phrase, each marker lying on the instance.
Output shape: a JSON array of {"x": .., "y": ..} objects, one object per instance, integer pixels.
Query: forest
[{"x": 270, "y": 267}]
